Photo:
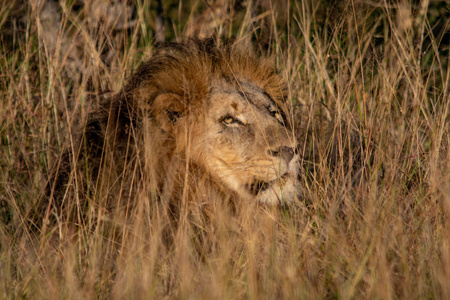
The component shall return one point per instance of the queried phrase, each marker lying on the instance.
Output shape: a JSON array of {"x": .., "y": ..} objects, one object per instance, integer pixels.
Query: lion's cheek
[
  {"x": 227, "y": 166},
  {"x": 267, "y": 170},
  {"x": 226, "y": 174}
]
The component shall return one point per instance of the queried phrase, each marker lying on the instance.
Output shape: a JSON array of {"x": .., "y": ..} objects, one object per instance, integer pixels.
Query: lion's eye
[
  {"x": 228, "y": 120},
  {"x": 277, "y": 115}
]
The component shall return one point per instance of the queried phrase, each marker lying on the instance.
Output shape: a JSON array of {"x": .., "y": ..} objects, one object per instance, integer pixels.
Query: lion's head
[
  {"x": 226, "y": 111},
  {"x": 209, "y": 116}
]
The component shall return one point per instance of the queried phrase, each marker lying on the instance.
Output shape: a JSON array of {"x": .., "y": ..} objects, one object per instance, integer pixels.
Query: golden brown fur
[{"x": 198, "y": 121}]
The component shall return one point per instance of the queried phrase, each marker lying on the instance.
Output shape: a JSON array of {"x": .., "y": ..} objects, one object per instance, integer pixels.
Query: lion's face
[
  {"x": 221, "y": 113},
  {"x": 247, "y": 144}
]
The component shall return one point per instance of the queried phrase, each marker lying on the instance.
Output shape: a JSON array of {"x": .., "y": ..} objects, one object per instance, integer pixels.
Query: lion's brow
[
  {"x": 243, "y": 95},
  {"x": 246, "y": 97}
]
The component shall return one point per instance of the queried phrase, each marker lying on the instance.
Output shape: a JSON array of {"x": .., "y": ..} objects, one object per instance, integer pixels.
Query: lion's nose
[{"x": 285, "y": 152}]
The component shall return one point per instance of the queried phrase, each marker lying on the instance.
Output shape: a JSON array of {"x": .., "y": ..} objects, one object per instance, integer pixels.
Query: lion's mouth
[{"x": 258, "y": 186}]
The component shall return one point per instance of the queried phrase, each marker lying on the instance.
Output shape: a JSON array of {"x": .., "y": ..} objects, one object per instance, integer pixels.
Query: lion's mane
[{"x": 125, "y": 148}]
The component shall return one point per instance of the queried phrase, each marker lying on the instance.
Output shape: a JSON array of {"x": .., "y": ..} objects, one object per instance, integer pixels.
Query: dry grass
[{"x": 369, "y": 85}]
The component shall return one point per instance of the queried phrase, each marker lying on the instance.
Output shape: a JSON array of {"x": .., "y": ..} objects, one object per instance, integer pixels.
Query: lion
[{"x": 200, "y": 120}]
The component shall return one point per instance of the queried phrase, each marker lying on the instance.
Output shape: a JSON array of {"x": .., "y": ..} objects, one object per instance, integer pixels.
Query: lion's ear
[{"x": 167, "y": 109}]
